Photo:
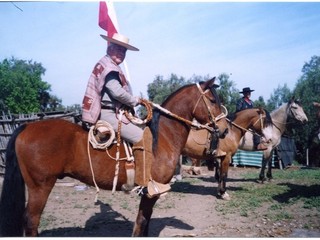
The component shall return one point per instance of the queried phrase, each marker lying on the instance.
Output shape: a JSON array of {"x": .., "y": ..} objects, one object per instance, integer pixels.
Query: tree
[
  {"x": 260, "y": 103},
  {"x": 282, "y": 94},
  {"x": 228, "y": 93},
  {"x": 54, "y": 104},
  {"x": 161, "y": 88},
  {"x": 308, "y": 91},
  {"x": 21, "y": 87}
]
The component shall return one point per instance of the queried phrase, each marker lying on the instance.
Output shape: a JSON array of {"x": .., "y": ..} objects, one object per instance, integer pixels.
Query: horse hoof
[
  {"x": 261, "y": 180},
  {"x": 126, "y": 188},
  {"x": 225, "y": 196}
]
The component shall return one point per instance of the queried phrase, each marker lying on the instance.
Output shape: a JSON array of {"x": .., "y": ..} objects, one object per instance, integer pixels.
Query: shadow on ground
[{"x": 110, "y": 223}]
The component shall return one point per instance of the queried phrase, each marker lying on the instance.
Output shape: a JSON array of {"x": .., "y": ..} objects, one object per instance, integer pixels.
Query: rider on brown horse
[
  {"x": 244, "y": 103},
  {"x": 107, "y": 92}
]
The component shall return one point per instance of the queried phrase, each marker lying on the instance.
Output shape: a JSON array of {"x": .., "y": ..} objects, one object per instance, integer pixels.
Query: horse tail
[{"x": 12, "y": 202}]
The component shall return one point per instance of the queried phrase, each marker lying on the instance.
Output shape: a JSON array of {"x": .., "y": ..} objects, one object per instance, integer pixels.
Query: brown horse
[
  {"x": 257, "y": 119},
  {"x": 39, "y": 153}
]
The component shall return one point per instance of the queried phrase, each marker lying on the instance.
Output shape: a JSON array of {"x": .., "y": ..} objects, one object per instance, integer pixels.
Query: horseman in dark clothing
[{"x": 244, "y": 103}]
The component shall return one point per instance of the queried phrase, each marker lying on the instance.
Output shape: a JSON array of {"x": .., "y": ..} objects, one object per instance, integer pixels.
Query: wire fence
[{"x": 9, "y": 122}]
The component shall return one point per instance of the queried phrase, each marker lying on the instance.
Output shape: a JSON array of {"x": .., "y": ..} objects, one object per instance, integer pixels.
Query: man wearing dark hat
[
  {"x": 107, "y": 92},
  {"x": 245, "y": 103}
]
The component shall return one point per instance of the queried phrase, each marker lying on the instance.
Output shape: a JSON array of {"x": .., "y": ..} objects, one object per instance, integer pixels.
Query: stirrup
[
  {"x": 156, "y": 189},
  {"x": 219, "y": 153}
]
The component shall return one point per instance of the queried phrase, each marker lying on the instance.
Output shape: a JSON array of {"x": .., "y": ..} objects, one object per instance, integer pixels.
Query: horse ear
[
  {"x": 316, "y": 104},
  {"x": 210, "y": 84}
]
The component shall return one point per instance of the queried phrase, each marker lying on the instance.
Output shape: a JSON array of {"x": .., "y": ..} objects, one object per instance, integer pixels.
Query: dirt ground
[{"x": 189, "y": 210}]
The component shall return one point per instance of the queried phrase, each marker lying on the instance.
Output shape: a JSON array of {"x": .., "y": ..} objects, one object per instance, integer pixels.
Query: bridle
[
  {"x": 293, "y": 114},
  {"x": 213, "y": 119}
]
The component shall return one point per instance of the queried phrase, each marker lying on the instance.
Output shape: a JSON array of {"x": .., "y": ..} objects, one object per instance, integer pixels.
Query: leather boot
[
  {"x": 143, "y": 155},
  {"x": 220, "y": 153}
]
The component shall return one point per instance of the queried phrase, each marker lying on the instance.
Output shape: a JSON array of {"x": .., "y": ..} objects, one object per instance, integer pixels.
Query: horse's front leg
[
  {"x": 217, "y": 167},
  {"x": 222, "y": 185},
  {"x": 265, "y": 162},
  {"x": 269, "y": 172},
  {"x": 141, "y": 226},
  {"x": 262, "y": 177}
]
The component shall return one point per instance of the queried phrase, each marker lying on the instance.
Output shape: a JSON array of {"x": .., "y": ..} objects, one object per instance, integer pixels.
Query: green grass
[{"x": 289, "y": 188}]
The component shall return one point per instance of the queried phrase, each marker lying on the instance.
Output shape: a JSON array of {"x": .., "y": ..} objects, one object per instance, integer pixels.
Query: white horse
[{"x": 281, "y": 117}]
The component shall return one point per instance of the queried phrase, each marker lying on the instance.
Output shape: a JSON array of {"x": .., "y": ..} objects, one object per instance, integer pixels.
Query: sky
[{"x": 261, "y": 45}]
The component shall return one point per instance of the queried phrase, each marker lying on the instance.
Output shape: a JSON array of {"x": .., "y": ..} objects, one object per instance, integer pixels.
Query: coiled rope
[
  {"x": 139, "y": 121},
  {"x": 96, "y": 144}
]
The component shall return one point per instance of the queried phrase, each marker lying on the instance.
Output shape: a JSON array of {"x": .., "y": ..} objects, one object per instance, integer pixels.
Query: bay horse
[
  {"x": 257, "y": 120},
  {"x": 286, "y": 114},
  {"x": 41, "y": 152}
]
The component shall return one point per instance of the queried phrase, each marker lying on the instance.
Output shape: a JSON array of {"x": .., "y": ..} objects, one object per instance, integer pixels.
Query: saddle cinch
[{"x": 139, "y": 161}]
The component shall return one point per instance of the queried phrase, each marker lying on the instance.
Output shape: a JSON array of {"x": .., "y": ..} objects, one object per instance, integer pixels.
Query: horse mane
[
  {"x": 154, "y": 123},
  {"x": 268, "y": 118},
  {"x": 174, "y": 93},
  {"x": 154, "y": 127}
]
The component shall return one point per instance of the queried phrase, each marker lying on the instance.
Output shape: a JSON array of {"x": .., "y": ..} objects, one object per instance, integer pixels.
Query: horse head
[
  {"x": 208, "y": 108},
  {"x": 295, "y": 111}
]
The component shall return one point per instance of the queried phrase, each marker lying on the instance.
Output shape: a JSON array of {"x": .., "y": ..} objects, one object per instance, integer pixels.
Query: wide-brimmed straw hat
[
  {"x": 246, "y": 90},
  {"x": 120, "y": 40}
]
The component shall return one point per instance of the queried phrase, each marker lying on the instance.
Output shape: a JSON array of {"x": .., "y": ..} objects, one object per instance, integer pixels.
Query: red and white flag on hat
[{"x": 108, "y": 21}]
